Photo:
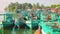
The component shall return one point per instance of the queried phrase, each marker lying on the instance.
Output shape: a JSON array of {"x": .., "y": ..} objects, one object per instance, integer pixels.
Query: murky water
[{"x": 16, "y": 30}]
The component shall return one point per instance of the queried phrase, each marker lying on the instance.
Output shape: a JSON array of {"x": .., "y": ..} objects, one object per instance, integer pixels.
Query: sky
[{"x": 4, "y": 3}]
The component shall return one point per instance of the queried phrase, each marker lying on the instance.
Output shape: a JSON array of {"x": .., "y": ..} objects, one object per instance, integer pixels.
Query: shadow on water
[{"x": 15, "y": 30}]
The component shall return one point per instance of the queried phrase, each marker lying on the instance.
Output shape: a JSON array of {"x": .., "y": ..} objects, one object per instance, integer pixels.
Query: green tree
[
  {"x": 37, "y": 5},
  {"x": 42, "y": 6},
  {"x": 53, "y": 6}
]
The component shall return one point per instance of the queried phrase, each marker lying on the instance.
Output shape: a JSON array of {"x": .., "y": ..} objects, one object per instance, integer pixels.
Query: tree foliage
[{"x": 15, "y": 6}]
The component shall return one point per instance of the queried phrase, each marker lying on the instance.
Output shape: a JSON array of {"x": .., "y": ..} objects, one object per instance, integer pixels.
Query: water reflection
[
  {"x": 16, "y": 30},
  {"x": 13, "y": 30}
]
